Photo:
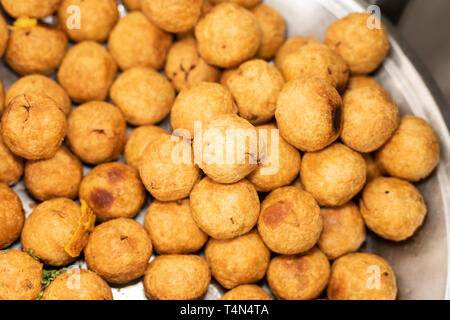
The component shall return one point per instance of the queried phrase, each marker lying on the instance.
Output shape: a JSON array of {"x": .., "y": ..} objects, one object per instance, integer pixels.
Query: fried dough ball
[
  {"x": 184, "y": 66},
  {"x": 224, "y": 211},
  {"x": 201, "y": 102},
  {"x": 291, "y": 45},
  {"x": 316, "y": 60},
  {"x": 39, "y": 49},
  {"x": 256, "y": 87},
  {"x": 57, "y": 177},
  {"x": 299, "y": 277},
  {"x": 370, "y": 116},
  {"x": 273, "y": 29},
  {"x": 392, "y": 208},
  {"x": 139, "y": 139},
  {"x": 4, "y": 36},
  {"x": 220, "y": 161},
  {"x": 228, "y": 35},
  {"x": 278, "y": 165},
  {"x": 226, "y": 74},
  {"x": 136, "y": 42},
  {"x": 11, "y": 216},
  {"x": 333, "y": 175},
  {"x": 87, "y": 72},
  {"x": 177, "y": 277},
  {"x": 343, "y": 230},
  {"x": 174, "y": 16},
  {"x": 373, "y": 168},
  {"x": 20, "y": 276},
  {"x": 413, "y": 151},
  {"x": 361, "y": 276},
  {"x": 290, "y": 221},
  {"x": 30, "y": 8},
  {"x": 172, "y": 228},
  {"x": 113, "y": 190},
  {"x": 118, "y": 250},
  {"x": 244, "y": 3},
  {"x": 246, "y": 292},
  {"x": 97, "y": 132},
  {"x": 78, "y": 284},
  {"x": 132, "y": 4},
  {"x": 356, "y": 82},
  {"x": 33, "y": 126},
  {"x": 49, "y": 229},
  {"x": 238, "y": 261},
  {"x": 308, "y": 114},
  {"x": 41, "y": 85},
  {"x": 167, "y": 168},
  {"x": 144, "y": 95},
  {"x": 363, "y": 47},
  {"x": 11, "y": 166},
  {"x": 97, "y": 18}
]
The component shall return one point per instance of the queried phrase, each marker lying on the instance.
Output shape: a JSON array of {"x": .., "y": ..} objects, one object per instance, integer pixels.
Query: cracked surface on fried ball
[
  {"x": 20, "y": 275},
  {"x": 361, "y": 276},
  {"x": 290, "y": 221},
  {"x": 177, "y": 277},
  {"x": 392, "y": 208},
  {"x": 246, "y": 292},
  {"x": 118, "y": 250},
  {"x": 96, "y": 132},
  {"x": 4, "y": 36},
  {"x": 290, "y": 46},
  {"x": 30, "y": 8},
  {"x": 113, "y": 190},
  {"x": 224, "y": 211},
  {"x": 12, "y": 216},
  {"x": 299, "y": 277},
  {"x": 11, "y": 166},
  {"x": 273, "y": 29},
  {"x": 238, "y": 261}
]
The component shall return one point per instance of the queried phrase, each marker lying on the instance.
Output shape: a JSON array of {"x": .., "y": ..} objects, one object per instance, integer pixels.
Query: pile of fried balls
[{"x": 347, "y": 158}]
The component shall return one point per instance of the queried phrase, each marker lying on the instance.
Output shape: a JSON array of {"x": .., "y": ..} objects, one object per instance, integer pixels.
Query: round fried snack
[
  {"x": 316, "y": 60},
  {"x": 177, "y": 277},
  {"x": 4, "y": 36},
  {"x": 59, "y": 176},
  {"x": 290, "y": 221},
  {"x": 273, "y": 29},
  {"x": 136, "y": 42},
  {"x": 361, "y": 276},
  {"x": 174, "y": 16},
  {"x": 333, "y": 175},
  {"x": 224, "y": 211},
  {"x": 33, "y": 126},
  {"x": 291, "y": 45},
  {"x": 373, "y": 168},
  {"x": 279, "y": 164},
  {"x": 113, "y": 190},
  {"x": 308, "y": 114},
  {"x": 172, "y": 228},
  {"x": 76, "y": 72},
  {"x": 370, "y": 116},
  {"x": 299, "y": 277},
  {"x": 144, "y": 95},
  {"x": 30, "y": 8},
  {"x": 255, "y": 87},
  {"x": 97, "y": 18},
  {"x": 132, "y": 4},
  {"x": 244, "y": 3},
  {"x": 39, "y": 49},
  {"x": 413, "y": 151},
  {"x": 356, "y": 82},
  {"x": 228, "y": 35},
  {"x": 246, "y": 292},
  {"x": 185, "y": 67},
  {"x": 167, "y": 168},
  {"x": 11, "y": 166},
  {"x": 228, "y": 148},
  {"x": 226, "y": 74},
  {"x": 78, "y": 284},
  {"x": 238, "y": 261},
  {"x": 343, "y": 230},
  {"x": 118, "y": 250},
  {"x": 20, "y": 276},
  {"x": 139, "y": 139},
  {"x": 11, "y": 216},
  {"x": 41, "y": 85},
  {"x": 97, "y": 132},
  {"x": 392, "y": 208},
  {"x": 50, "y": 228},
  {"x": 359, "y": 40},
  {"x": 201, "y": 102}
]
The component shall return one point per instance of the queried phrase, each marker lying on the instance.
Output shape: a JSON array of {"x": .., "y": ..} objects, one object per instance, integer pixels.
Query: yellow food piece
[
  {"x": 24, "y": 22},
  {"x": 85, "y": 226}
]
